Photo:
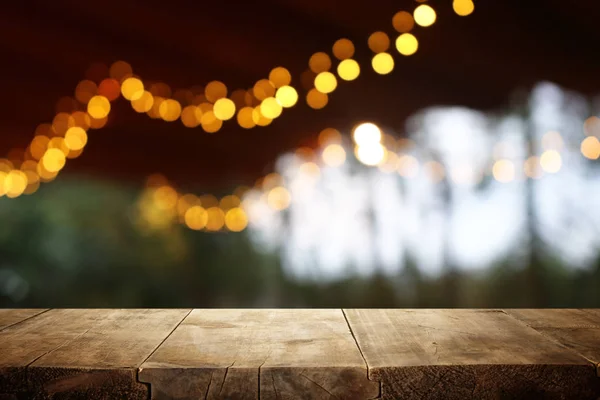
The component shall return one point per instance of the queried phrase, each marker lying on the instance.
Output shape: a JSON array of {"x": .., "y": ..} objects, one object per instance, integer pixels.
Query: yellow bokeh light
[
  {"x": 224, "y": 109},
  {"x": 81, "y": 119},
  {"x": 348, "y": 70},
  {"x": 366, "y": 133},
  {"x": 590, "y": 147},
  {"x": 407, "y": 166},
  {"x": 59, "y": 143},
  {"x": 185, "y": 202},
  {"x": 370, "y": 153},
  {"x": 38, "y": 146},
  {"x": 229, "y": 202},
  {"x": 143, "y": 103},
  {"x": 188, "y": 117},
  {"x": 132, "y": 88},
  {"x": 343, "y": 49},
  {"x": 236, "y": 219},
  {"x": 329, "y": 136},
  {"x": 383, "y": 63},
  {"x": 154, "y": 112},
  {"x": 215, "y": 90},
  {"x": 319, "y": 62},
  {"x": 463, "y": 7},
  {"x": 97, "y": 123},
  {"x": 551, "y": 161},
  {"x": 403, "y": 22},
  {"x": 15, "y": 183},
  {"x": 279, "y": 198},
  {"x": 98, "y": 107},
  {"x": 45, "y": 175},
  {"x": 258, "y": 118},
  {"x": 407, "y": 44},
  {"x": 503, "y": 171},
  {"x": 334, "y": 155},
  {"x": 61, "y": 122},
  {"x": 286, "y": 96},
  {"x": 263, "y": 89},
  {"x": 280, "y": 76},
  {"x": 216, "y": 219},
  {"x": 165, "y": 197},
  {"x": 316, "y": 99},
  {"x": 244, "y": 118},
  {"x": 169, "y": 110},
  {"x": 379, "y": 42},
  {"x": 196, "y": 217},
  {"x": 532, "y": 167},
  {"x": 213, "y": 126},
  {"x": 325, "y": 82},
  {"x": 2, "y": 181},
  {"x": 270, "y": 181},
  {"x": 270, "y": 108},
  {"x": 76, "y": 138},
  {"x": 54, "y": 160},
  {"x": 424, "y": 15}
]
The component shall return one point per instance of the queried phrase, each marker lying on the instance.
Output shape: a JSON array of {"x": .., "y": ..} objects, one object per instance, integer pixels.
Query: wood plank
[
  {"x": 577, "y": 329},
  {"x": 102, "y": 362},
  {"x": 23, "y": 343},
  {"x": 12, "y": 316},
  {"x": 247, "y": 354},
  {"x": 461, "y": 354}
]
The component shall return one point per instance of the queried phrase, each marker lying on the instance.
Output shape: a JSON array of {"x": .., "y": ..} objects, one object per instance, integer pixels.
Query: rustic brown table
[{"x": 294, "y": 353}]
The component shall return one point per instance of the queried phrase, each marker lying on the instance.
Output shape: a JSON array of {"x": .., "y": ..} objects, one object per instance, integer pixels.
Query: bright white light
[
  {"x": 366, "y": 133},
  {"x": 370, "y": 153}
]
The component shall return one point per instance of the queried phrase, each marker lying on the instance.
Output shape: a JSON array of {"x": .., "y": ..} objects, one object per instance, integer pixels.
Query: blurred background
[{"x": 300, "y": 153}]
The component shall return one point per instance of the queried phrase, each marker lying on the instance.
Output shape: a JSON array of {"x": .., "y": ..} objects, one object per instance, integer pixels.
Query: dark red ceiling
[{"x": 477, "y": 61}]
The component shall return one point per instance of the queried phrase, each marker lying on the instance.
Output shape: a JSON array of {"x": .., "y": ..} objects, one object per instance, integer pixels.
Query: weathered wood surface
[
  {"x": 460, "y": 354},
  {"x": 9, "y": 317},
  {"x": 250, "y": 354},
  {"x": 83, "y": 353},
  {"x": 310, "y": 354},
  {"x": 578, "y": 330}
]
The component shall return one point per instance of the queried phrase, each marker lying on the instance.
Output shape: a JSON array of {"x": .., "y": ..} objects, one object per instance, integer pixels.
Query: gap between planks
[
  {"x": 42, "y": 311},
  {"x": 359, "y": 350}
]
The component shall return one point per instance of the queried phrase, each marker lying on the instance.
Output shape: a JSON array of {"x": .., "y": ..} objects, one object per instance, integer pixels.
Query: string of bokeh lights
[
  {"x": 209, "y": 107},
  {"x": 65, "y": 138}
]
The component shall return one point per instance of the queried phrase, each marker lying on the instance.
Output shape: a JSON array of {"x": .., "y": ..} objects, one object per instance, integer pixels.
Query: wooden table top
[{"x": 299, "y": 353}]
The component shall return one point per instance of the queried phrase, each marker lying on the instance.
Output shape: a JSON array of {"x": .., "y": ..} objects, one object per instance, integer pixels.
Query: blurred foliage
[{"x": 76, "y": 244}]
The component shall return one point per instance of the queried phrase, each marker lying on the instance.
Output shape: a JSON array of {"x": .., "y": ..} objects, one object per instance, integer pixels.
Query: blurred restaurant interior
[{"x": 300, "y": 153}]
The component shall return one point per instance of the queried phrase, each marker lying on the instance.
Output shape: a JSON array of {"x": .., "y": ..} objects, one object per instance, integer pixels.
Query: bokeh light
[
  {"x": 407, "y": 44},
  {"x": 216, "y": 219},
  {"x": 98, "y": 107},
  {"x": 196, "y": 217},
  {"x": 280, "y": 76},
  {"x": 366, "y": 133},
  {"x": 532, "y": 168},
  {"x": 379, "y": 42},
  {"x": 370, "y": 153},
  {"x": 215, "y": 90},
  {"x": 403, "y": 22},
  {"x": 132, "y": 88},
  {"x": 279, "y": 198},
  {"x": 590, "y": 147},
  {"x": 189, "y": 118},
  {"x": 348, "y": 70},
  {"x": 463, "y": 7},
  {"x": 286, "y": 96},
  {"x": 383, "y": 63},
  {"x": 319, "y": 62},
  {"x": 552, "y": 140},
  {"x": 76, "y": 138},
  {"x": 408, "y": 166},
  {"x": 551, "y": 161},
  {"x": 224, "y": 109},
  {"x": 109, "y": 88},
  {"x": 120, "y": 70},
  {"x": 343, "y": 49},
  {"x": 54, "y": 160},
  {"x": 325, "y": 82},
  {"x": 270, "y": 108},
  {"x": 143, "y": 103},
  {"x": 85, "y": 90},
  {"x": 503, "y": 171},
  {"x": 329, "y": 136},
  {"x": 236, "y": 219},
  {"x": 169, "y": 110},
  {"x": 424, "y": 15},
  {"x": 334, "y": 155},
  {"x": 316, "y": 99},
  {"x": 244, "y": 118},
  {"x": 263, "y": 88}
]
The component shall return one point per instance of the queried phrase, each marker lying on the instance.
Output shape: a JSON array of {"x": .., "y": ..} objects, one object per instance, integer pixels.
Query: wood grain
[
  {"x": 577, "y": 329},
  {"x": 459, "y": 354},
  {"x": 102, "y": 361},
  {"x": 12, "y": 316},
  {"x": 247, "y": 354}
]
